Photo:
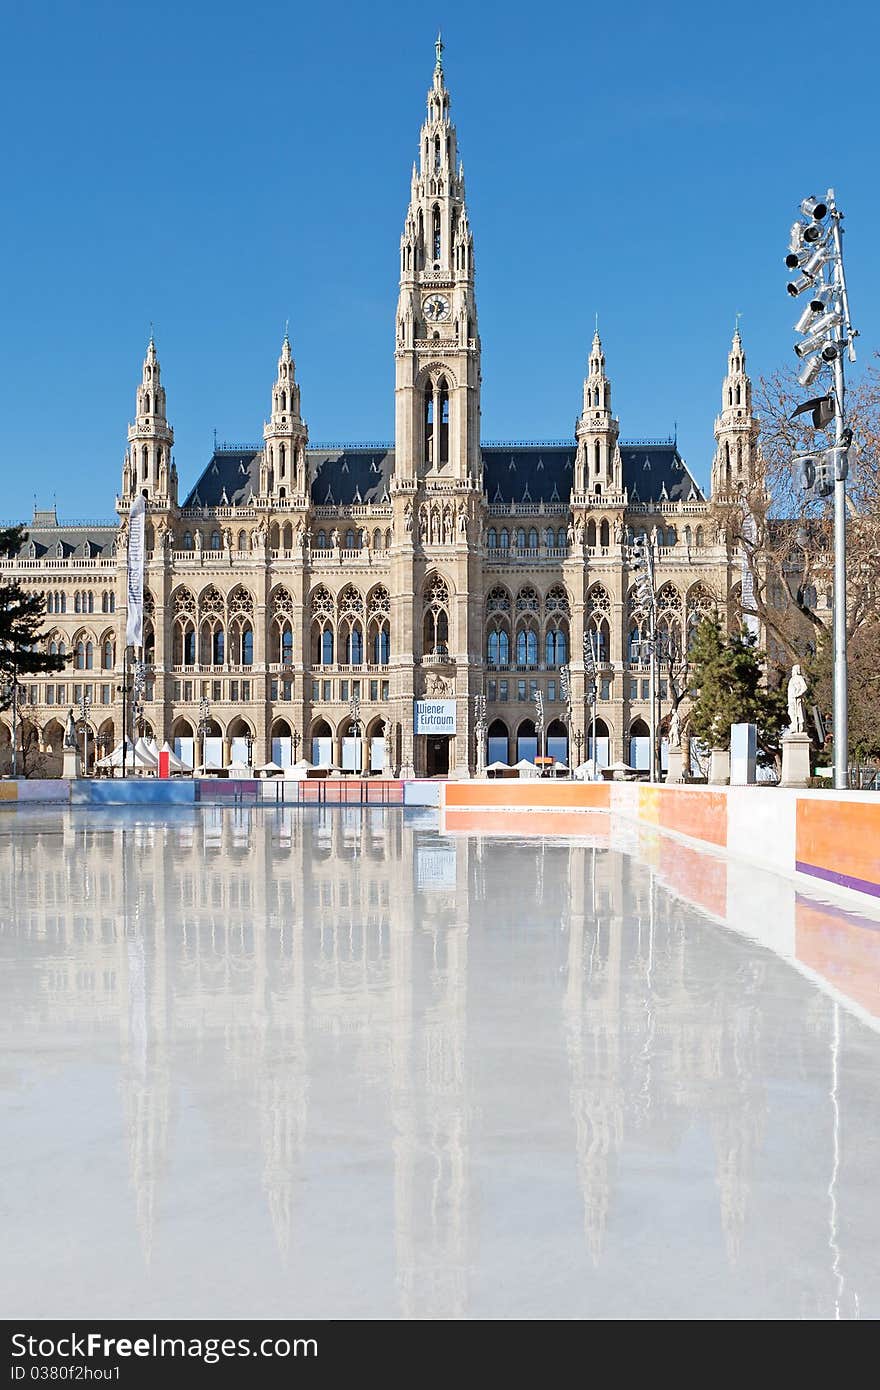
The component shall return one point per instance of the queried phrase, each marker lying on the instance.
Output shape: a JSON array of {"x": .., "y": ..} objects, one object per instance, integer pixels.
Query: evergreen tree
[
  {"x": 728, "y": 687},
  {"x": 21, "y": 625}
]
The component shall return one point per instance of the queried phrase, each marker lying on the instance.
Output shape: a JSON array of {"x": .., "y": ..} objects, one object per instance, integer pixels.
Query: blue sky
[{"x": 217, "y": 169}]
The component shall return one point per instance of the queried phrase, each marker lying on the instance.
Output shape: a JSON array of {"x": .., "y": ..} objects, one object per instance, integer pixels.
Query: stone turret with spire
[
  {"x": 736, "y": 428},
  {"x": 597, "y": 465},
  {"x": 283, "y": 472},
  {"x": 148, "y": 465}
]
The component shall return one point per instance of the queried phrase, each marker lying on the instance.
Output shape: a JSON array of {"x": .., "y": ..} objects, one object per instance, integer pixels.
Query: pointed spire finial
[
  {"x": 736, "y": 333},
  {"x": 287, "y": 330},
  {"x": 438, "y": 49}
]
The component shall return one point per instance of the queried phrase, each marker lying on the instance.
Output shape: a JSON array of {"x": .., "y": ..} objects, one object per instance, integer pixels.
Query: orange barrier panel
[
  {"x": 699, "y": 878},
  {"x": 533, "y": 795},
  {"x": 500, "y": 822},
  {"x": 842, "y": 948},
  {"x": 839, "y": 841},
  {"x": 699, "y": 813}
]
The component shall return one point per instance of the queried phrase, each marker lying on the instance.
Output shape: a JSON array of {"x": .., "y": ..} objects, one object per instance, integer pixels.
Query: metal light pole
[
  {"x": 355, "y": 711},
  {"x": 643, "y": 559},
  {"x": 565, "y": 683},
  {"x": 125, "y": 690},
  {"x": 539, "y": 722},
  {"x": 842, "y": 332},
  {"x": 480, "y": 733},
  {"x": 295, "y": 740},
  {"x": 592, "y": 692},
  {"x": 204, "y": 721},
  {"x": 816, "y": 244},
  {"x": 85, "y": 712}
]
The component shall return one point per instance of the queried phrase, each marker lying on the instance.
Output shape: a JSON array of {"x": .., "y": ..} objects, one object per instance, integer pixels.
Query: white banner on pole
[
  {"x": 747, "y": 578},
  {"x": 134, "y": 625}
]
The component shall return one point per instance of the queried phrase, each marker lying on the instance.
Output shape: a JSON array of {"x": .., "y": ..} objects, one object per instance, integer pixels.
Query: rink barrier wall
[{"x": 810, "y": 835}]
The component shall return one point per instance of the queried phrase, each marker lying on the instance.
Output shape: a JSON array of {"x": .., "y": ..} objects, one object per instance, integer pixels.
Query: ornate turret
[
  {"x": 283, "y": 471},
  {"x": 148, "y": 464},
  {"x": 736, "y": 428},
  {"x": 437, "y": 428},
  {"x": 597, "y": 465}
]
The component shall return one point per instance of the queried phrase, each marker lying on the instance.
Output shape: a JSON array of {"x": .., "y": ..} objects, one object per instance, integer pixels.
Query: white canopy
[
  {"x": 137, "y": 759},
  {"x": 269, "y": 768},
  {"x": 145, "y": 754},
  {"x": 175, "y": 763},
  {"x": 498, "y": 767}
]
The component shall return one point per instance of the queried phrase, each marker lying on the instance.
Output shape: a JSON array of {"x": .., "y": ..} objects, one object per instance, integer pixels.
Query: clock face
[{"x": 436, "y": 308}]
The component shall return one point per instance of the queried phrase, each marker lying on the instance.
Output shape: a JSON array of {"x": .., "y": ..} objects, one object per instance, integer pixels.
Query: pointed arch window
[
  {"x": 189, "y": 647},
  {"x": 436, "y": 154},
  {"x": 327, "y": 647},
  {"x": 443, "y": 412},
  {"x": 247, "y": 647},
  {"x": 435, "y": 233},
  {"x": 429, "y": 424}
]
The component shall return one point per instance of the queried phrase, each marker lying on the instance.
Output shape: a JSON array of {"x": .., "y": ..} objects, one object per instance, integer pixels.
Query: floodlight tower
[{"x": 816, "y": 252}]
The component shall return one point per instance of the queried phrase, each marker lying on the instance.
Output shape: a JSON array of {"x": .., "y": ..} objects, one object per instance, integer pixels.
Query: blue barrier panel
[
  {"x": 119, "y": 791},
  {"x": 421, "y": 793}
]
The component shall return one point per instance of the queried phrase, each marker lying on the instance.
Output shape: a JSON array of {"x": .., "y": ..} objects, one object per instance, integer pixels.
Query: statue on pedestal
[
  {"x": 674, "y": 734},
  {"x": 797, "y": 689}
]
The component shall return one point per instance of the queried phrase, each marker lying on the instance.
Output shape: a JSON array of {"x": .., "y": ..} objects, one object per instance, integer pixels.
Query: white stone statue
[
  {"x": 334, "y": 539},
  {"x": 197, "y": 540},
  {"x": 407, "y": 517},
  {"x": 674, "y": 729},
  {"x": 462, "y": 522},
  {"x": 386, "y": 749},
  {"x": 797, "y": 689},
  {"x": 618, "y": 532}
]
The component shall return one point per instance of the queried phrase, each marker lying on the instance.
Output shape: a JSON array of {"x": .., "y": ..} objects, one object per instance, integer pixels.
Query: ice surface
[{"x": 333, "y": 1063}]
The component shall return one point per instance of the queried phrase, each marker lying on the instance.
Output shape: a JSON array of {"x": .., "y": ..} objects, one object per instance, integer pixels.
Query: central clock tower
[{"x": 437, "y": 413}]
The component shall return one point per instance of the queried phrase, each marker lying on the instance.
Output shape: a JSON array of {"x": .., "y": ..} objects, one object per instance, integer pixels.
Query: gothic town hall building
[{"x": 292, "y": 578}]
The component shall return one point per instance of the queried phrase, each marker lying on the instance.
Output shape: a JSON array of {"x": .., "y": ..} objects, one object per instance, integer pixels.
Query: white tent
[
  {"x": 299, "y": 770},
  {"x": 498, "y": 767},
  {"x": 525, "y": 768},
  {"x": 144, "y": 754},
  {"x": 586, "y": 772},
  {"x": 269, "y": 769},
  {"x": 137, "y": 759},
  {"x": 175, "y": 764}
]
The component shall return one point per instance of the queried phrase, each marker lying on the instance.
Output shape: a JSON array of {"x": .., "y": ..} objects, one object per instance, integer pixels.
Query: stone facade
[{"x": 294, "y": 577}]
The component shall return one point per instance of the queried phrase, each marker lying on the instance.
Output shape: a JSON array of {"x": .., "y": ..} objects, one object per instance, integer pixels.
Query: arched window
[
  {"x": 356, "y": 645},
  {"x": 533, "y": 539},
  {"x": 215, "y": 540},
  {"x": 322, "y": 540},
  {"x": 561, "y": 538},
  {"x": 377, "y": 540},
  {"x": 492, "y": 538},
  {"x": 90, "y": 656},
  {"x": 381, "y": 647},
  {"x": 597, "y": 454},
  {"x": 526, "y": 647},
  {"x": 187, "y": 540},
  {"x": 327, "y": 647},
  {"x": 242, "y": 541},
  {"x": 189, "y": 647},
  {"x": 108, "y": 655},
  {"x": 80, "y": 655},
  {"x": 429, "y": 424},
  {"x": 699, "y": 535},
  {"x": 218, "y": 647},
  {"x": 604, "y": 535},
  {"x": 349, "y": 540},
  {"x": 549, "y": 538},
  {"x": 62, "y": 648},
  {"x": 443, "y": 410},
  {"x": 287, "y": 647},
  {"x": 555, "y": 647},
  {"x": 504, "y": 539},
  {"x": 435, "y": 238},
  {"x": 247, "y": 647},
  {"x": 435, "y": 627},
  {"x": 591, "y": 533},
  {"x": 77, "y": 602},
  {"x": 521, "y": 538}
]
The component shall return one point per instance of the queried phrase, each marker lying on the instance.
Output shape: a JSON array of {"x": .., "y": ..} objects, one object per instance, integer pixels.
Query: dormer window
[{"x": 59, "y": 551}]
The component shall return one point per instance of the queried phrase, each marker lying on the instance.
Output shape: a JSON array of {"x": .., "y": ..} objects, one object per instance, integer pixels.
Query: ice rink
[{"x": 334, "y": 1063}]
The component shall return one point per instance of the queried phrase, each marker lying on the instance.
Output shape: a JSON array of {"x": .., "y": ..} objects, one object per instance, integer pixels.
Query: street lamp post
[
  {"x": 249, "y": 741},
  {"x": 295, "y": 740},
  {"x": 591, "y": 690},
  {"x": 354, "y": 730},
  {"x": 125, "y": 689},
  {"x": 480, "y": 733},
  {"x": 565, "y": 688},
  {"x": 85, "y": 712},
  {"x": 204, "y": 724},
  {"x": 539, "y": 722},
  {"x": 578, "y": 739}
]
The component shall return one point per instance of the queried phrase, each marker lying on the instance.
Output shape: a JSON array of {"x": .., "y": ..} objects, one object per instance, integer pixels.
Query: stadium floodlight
[
  {"x": 815, "y": 252},
  {"x": 811, "y": 369},
  {"x": 814, "y": 208}
]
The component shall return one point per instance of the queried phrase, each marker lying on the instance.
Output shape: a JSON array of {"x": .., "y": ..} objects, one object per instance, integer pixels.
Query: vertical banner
[
  {"x": 747, "y": 578},
  {"x": 134, "y": 625}
]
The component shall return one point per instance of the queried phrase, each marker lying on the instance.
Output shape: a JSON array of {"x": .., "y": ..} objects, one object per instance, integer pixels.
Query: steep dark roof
[
  {"x": 519, "y": 473},
  {"x": 47, "y": 533}
]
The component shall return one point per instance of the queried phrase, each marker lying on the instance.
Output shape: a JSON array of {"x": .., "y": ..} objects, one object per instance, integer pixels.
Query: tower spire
[
  {"x": 439, "y": 46},
  {"x": 148, "y": 464},
  {"x": 285, "y": 434},
  {"x": 597, "y": 464},
  {"x": 736, "y": 429}
]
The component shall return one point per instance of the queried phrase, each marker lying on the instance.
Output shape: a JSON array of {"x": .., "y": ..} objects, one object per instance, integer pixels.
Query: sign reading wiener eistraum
[{"x": 434, "y": 717}]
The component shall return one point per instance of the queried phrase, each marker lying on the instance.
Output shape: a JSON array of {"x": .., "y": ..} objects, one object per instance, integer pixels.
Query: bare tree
[{"x": 786, "y": 543}]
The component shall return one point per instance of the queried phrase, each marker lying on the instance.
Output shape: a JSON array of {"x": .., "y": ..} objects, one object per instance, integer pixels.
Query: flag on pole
[{"x": 134, "y": 625}]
